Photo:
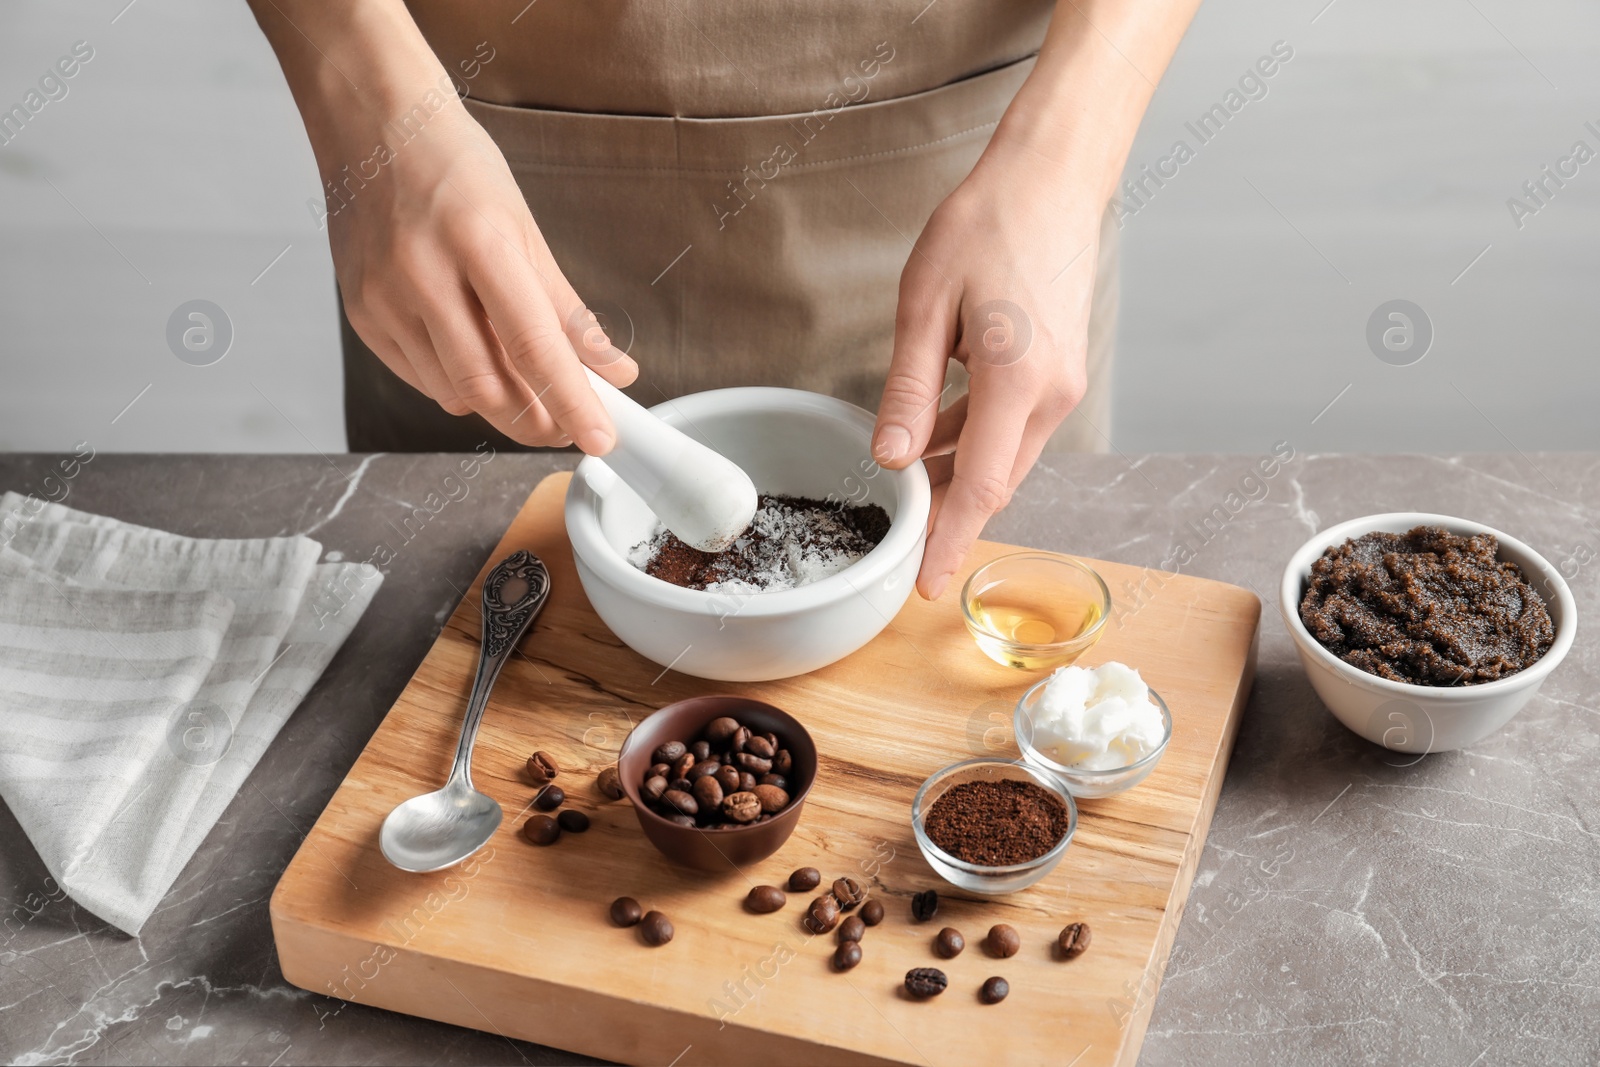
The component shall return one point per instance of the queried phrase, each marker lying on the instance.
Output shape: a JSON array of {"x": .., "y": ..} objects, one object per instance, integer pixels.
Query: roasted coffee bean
[
  {"x": 668, "y": 751},
  {"x": 949, "y": 943},
  {"x": 680, "y": 801},
  {"x": 754, "y": 764},
  {"x": 683, "y": 765},
  {"x": 655, "y": 929},
  {"x": 680, "y": 819},
  {"x": 682, "y": 785},
  {"x": 777, "y": 781},
  {"x": 1003, "y": 941},
  {"x": 609, "y": 783},
  {"x": 852, "y": 929},
  {"x": 1073, "y": 940},
  {"x": 728, "y": 778},
  {"x": 541, "y": 830},
  {"x": 707, "y": 793},
  {"x": 736, "y": 742},
  {"x": 550, "y": 798},
  {"x": 760, "y": 746},
  {"x": 701, "y": 750},
  {"x": 541, "y": 768},
  {"x": 804, "y": 880},
  {"x": 823, "y": 914},
  {"x": 718, "y": 731},
  {"x": 741, "y": 807},
  {"x": 663, "y": 770},
  {"x": 872, "y": 912},
  {"x": 924, "y": 982},
  {"x": 703, "y": 768},
  {"x": 747, "y": 781},
  {"x": 625, "y": 911},
  {"x": 782, "y": 762},
  {"x": 994, "y": 990},
  {"x": 848, "y": 892},
  {"x": 847, "y": 955},
  {"x": 764, "y": 899},
  {"x": 654, "y": 786},
  {"x": 573, "y": 821},
  {"x": 772, "y": 739},
  {"x": 771, "y": 797},
  {"x": 925, "y": 905}
]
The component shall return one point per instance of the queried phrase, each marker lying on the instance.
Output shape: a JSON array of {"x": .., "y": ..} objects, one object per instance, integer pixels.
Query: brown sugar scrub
[
  {"x": 792, "y": 541},
  {"x": 996, "y": 824},
  {"x": 1427, "y": 607}
]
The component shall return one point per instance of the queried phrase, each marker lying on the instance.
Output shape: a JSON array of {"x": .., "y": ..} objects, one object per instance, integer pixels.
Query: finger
[
  {"x": 924, "y": 334},
  {"x": 480, "y": 373},
  {"x": 537, "y": 347},
  {"x": 594, "y": 346},
  {"x": 947, "y": 429},
  {"x": 980, "y": 484},
  {"x": 384, "y": 347},
  {"x": 413, "y": 340}
]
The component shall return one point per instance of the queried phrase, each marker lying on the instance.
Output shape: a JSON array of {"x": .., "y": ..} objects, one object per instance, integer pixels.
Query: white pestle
[{"x": 703, "y": 497}]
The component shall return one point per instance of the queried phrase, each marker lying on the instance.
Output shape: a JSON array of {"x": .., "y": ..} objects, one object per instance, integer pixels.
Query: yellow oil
[{"x": 1023, "y": 627}]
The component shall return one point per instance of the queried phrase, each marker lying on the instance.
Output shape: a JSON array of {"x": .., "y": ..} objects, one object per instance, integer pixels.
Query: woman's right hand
[{"x": 447, "y": 279}]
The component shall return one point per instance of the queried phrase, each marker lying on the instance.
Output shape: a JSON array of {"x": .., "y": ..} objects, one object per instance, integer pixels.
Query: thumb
[{"x": 924, "y": 336}]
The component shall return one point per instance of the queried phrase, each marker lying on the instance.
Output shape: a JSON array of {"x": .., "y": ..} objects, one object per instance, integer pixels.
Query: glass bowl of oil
[{"x": 1035, "y": 610}]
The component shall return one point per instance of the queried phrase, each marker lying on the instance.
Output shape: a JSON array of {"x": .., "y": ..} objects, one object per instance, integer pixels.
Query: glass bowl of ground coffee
[{"x": 993, "y": 826}]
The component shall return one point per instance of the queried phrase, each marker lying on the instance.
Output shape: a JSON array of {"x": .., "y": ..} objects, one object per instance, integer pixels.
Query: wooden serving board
[{"x": 517, "y": 941}]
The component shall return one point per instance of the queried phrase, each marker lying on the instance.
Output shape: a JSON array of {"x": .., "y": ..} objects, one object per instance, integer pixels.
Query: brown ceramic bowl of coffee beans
[{"x": 736, "y": 813}]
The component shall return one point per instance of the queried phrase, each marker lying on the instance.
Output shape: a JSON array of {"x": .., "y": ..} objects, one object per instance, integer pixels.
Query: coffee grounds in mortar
[
  {"x": 996, "y": 823},
  {"x": 792, "y": 541}
]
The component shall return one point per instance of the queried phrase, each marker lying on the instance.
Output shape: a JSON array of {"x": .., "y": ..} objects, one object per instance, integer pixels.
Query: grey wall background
[{"x": 1377, "y": 166}]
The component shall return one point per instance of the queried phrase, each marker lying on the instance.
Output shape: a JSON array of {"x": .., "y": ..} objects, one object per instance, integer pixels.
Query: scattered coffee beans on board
[
  {"x": 1074, "y": 940},
  {"x": 925, "y": 982},
  {"x": 847, "y": 955},
  {"x": 1003, "y": 941},
  {"x": 625, "y": 911},
  {"x": 609, "y": 784},
  {"x": 804, "y": 880},
  {"x": 550, "y": 798},
  {"x": 848, "y": 892},
  {"x": 542, "y": 768},
  {"x": 996, "y": 823},
  {"x": 655, "y": 929},
  {"x": 872, "y": 912},
  {"x": 925, "y": 905},
  {"x": 994, "y": 990},
  {"x": 823, "y": 914},
  {"x": 852, "y": 929},
  {"x": 764, "y": 899},
  {"x": 949, "y": 943},
  {"x": 573, "y": 822},
  {"x": 541, "y": 830}
]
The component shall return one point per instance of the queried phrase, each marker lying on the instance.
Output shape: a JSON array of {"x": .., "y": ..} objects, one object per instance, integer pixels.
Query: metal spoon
[{"x": 442, "y": 828}]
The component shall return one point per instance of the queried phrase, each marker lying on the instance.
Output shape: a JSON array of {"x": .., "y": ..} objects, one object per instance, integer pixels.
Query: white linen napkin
[{"x": 142, "y": 675}]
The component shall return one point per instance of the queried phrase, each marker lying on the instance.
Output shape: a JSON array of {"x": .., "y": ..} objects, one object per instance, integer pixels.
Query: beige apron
[{"x": 733, "y": 248}]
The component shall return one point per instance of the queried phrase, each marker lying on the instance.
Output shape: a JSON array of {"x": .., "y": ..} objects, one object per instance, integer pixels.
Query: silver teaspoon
[{"x": 442, "y": 828}]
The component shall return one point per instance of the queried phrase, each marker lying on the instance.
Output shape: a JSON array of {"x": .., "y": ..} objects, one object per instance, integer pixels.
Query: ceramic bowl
[
  {"x": 789, "y": 442},
  {"x": 716, "y": 850},
  {"x": 1423, "y": 718}
]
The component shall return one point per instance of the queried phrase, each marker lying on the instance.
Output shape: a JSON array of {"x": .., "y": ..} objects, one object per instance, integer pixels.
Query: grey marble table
[{"x": 1352, "y": 905}]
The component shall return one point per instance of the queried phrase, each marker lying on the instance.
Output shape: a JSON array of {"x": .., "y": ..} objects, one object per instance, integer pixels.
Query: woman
[{"x": 870, "y": 200}]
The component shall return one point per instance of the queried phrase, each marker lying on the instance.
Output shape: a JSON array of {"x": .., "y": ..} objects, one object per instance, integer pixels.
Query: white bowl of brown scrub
[
  {"x": 1384, "y": 662},
  {"x": 793, "y": 444}
]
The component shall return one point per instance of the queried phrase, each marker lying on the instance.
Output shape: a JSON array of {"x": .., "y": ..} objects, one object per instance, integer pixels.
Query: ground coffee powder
[{"x": 996, "y": 823}]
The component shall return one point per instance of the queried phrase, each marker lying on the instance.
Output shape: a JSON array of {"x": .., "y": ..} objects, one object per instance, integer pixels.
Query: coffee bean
[
  {"x": 541, "y": 768},
  {"x": 680, "y": 819},
  {"x": 659, "y": 769},
  {"x": 872, "y": 912},
  {"x": 994, "y": 990},
  {"x": 760, "y": 746},
  {"x": 741, "y": 807},
  {"x": 573, "y": 821},
  {"x": 718, "y": 731},
  {"x": 655, "y": 929},
  {"x": 682, "y": 785},
  {"x": 754, "y": 764},
  {"x": 728, "y": 778},
  {"x": 683, "y": 765},
  {"x": 924, "y": 982},
  {"x": 550, "y": 798},
  {"x": 609, "y": 783},
  {"x": 804, "y": 880},
  {"x": 949, "y": 943},
  {"x": 680, "y": 801},
  {"x": 847, "y": 955},
  {"x": 772, "y": 739},
  {"x": 654, "y": 786},
  {"x": 668, "y": 751},
  {"x": 777, "y": 781},
  {"x": 782, "y": 762},
  {"x": 771, "y": 797},
  {"x": 703, "y": 768},
  {"x": 1003, "y": 941},
  {"x": 852, "y": 929},
  {"x": 625, "y": 911},
  {"x": 1073, "y": 940},
  {"x": 925, "y": 905},
  {"x": 541, "y": 830},
  {"x": 701, "y": 750},
  {"x": 747, "y": 782},
  {"x": 764, "y": 899},
  {"x": 737, "y": 741},
  {"x": 707, "y": 793},
  {"x": 848, "y": 892},
  {"x": 823, "y": 915}
]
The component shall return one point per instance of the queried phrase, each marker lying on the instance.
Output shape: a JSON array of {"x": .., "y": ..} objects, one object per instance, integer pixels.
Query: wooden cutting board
[{"x": 517, "y": 940}]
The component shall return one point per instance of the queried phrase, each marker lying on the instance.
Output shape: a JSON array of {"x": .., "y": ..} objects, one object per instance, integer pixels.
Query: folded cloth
[{"x": 142, "y": 675}]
